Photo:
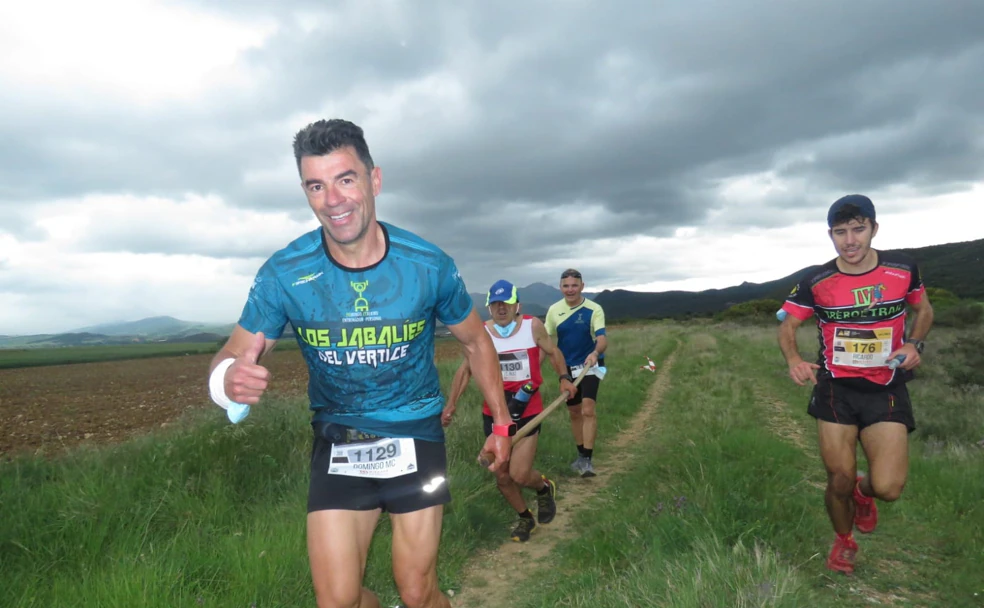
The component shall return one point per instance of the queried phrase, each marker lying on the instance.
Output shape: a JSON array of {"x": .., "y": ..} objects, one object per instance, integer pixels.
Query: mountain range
[
  {"x": 956, "y": 267},
  {"x": 152, "y": 329}
]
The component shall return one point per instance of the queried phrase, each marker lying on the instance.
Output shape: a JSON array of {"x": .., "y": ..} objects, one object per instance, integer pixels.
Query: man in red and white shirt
[
  {"x": 519, "y": 339},
  {"x": 861, "y": 300}
]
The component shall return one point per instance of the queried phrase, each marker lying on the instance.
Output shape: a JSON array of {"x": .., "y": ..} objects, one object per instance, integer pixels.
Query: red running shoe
[
  {"x": 865, "y": 511},
  {"x": 842, "y": 555}
]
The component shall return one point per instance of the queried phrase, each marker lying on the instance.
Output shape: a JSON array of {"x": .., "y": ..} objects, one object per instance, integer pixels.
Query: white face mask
[{"x": 505, "y": 331}]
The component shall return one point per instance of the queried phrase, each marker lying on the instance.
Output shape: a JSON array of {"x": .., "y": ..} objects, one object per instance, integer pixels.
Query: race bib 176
[{"x": 862, "y": 347}]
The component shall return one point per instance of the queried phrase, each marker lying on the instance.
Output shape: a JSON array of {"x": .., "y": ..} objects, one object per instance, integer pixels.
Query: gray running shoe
[
  {"x": 587, "y": 469},
  {"x": 546, "y": 504},
  {"x": 578, "y": 465},
  {"x": 524, "y": 527}
]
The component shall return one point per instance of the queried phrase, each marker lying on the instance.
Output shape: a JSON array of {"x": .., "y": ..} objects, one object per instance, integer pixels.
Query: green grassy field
[
  {"x": 37, "y": 357},
  {"x": 722, "y": 505}
]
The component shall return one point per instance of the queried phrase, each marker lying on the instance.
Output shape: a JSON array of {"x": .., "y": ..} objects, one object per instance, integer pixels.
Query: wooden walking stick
[{"x": 487, "y": 458}]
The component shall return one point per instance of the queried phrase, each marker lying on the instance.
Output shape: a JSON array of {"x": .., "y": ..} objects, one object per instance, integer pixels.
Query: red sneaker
[
  {"x": 841, "y": 558},
  {"x": 865, "y": 511}
]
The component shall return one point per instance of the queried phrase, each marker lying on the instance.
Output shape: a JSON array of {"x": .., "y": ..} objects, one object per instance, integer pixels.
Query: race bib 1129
[{"x": 380, "y": 459}]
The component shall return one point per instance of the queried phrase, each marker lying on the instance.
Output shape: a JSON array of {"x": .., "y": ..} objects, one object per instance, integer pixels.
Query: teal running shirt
[{"x": 367, "y": 334}]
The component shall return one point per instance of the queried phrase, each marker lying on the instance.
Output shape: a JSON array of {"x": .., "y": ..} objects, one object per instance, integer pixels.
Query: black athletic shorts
[
  {"x": 842, "y": 404},
  {"x": 588, "y": 389},
  {"x": 519, "y": 424},
  {"x": 426, "y": 487}
]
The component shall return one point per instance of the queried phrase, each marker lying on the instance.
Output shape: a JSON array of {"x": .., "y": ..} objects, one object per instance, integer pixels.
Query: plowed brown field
[{"x": 52, "y": 408}]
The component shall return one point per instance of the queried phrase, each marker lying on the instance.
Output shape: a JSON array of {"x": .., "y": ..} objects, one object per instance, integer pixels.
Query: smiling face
[
  {"x": 342, "y": 193},
  {"x": 572, "y": 287},
  {"x": 852, "y": 240}
]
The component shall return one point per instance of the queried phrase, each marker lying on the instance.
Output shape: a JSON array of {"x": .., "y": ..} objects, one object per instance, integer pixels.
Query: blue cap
[
  {"x": 502, "y": 291},
  {"x": 865, "y": 208}
]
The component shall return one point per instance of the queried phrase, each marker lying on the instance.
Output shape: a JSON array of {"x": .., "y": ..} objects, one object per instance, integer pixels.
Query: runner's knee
[
  {"x": 419, "y": 592},
  {"x": 887, "y": 491},
  {"x": 504, "y": 481},
  {"x": 525, "y": 478},
  {"x": 328, "y": 597},
  {"x": 841, "y": 483}
]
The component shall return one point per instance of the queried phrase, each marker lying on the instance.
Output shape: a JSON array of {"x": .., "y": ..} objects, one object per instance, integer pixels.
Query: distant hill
[
  {"x": 79, "y": 339},
  {"x": 622, "y": 304},
  {"x": 956, "y": 267},
  {"x": 155, "y": 327}
]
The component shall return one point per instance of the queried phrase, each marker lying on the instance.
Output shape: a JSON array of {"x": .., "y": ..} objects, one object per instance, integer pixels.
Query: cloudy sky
[{"x": 146, "y": 165}]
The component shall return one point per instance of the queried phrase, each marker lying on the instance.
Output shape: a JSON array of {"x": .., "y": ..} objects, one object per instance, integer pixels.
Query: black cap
[{"x": 865, "y": 208}]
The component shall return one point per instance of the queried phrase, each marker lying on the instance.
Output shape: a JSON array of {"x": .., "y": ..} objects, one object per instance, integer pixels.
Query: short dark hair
[
  {"x": 851, "y": 207},
  {"x": 847, "y": 213},
  {"x": 326, "y": 136}
]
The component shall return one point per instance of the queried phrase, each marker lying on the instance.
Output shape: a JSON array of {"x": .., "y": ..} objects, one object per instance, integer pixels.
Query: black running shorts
[
  {"x": 835, "y": 402},
  {"x": 426, "y": 487},
  {"x": 487, "y": 420},
  {"x": 588, "y": 389}
]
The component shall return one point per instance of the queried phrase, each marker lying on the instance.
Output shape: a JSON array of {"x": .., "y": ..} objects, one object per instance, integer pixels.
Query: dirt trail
[
  {"x": 781, "y": 421},
  {"x": 492, "y": 577}
]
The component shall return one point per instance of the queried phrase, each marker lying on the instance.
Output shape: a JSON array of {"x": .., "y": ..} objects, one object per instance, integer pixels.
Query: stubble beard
[{"x": 363, "y": 231}]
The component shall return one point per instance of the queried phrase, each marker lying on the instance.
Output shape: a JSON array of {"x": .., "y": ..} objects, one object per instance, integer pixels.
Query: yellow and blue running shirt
[
  {"x": 576, "y": 329},
  {"x": 367, "y": 334}
]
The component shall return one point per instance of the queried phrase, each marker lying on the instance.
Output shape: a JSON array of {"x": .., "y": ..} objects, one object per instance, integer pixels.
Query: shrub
[
  {"x": 963, "y": 315},
  {"x": 941, "y": 297},
  {"x": 964, "y": 361},
  {"x": 751, "y": 310}
]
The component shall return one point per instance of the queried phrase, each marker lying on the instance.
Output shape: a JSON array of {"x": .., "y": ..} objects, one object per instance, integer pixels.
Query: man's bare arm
[
  {"x": 483, "y": 364},
  {"x": 921, "y": 325},
  {"x": 601, "y": 344},
  {"x": 236, "y": 346},
  {"x": 459, "y": 383},
  {"x": 799, "y": 370},
  {"x": 924, "y": 319},
  {"x": 787, "y": 339}
]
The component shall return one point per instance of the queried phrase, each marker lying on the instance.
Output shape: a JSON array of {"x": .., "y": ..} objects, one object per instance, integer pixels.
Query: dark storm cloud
[
  {"x": 146, "y": 240},
  {"x": 633, "y": 111}
]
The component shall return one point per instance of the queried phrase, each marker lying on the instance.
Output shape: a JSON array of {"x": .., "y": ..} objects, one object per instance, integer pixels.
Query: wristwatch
[
  {"x": 567, "y": 377},
  {"x": 919, "y": 344},
  {"x": 504, "y": 430}
]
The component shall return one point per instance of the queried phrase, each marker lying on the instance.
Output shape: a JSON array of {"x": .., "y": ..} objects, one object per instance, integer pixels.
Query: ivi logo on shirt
[{"x": 869, "y": 296}]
